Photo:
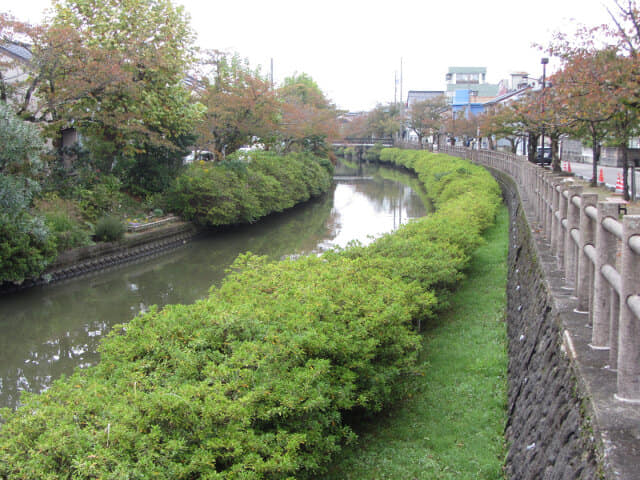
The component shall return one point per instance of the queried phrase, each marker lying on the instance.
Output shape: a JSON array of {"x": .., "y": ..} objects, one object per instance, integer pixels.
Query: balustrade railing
[{"x": 598, "y": 253}]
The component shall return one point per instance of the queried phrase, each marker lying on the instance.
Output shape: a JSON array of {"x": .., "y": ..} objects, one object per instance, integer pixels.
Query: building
[
  {"x": 415, "y": 96},
  {"x": 468, "y": 90},
  {"x": 472, "y": 79},
  {"x": 15, "y": 59}
]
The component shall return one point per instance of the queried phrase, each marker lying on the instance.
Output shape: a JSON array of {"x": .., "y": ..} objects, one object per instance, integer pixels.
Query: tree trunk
[
  {"x": 625, "y": 170},
  {"x": 555, "y": 159},
  {"x": 596, "y": 159},
  {"x": 531, "y": 148}
]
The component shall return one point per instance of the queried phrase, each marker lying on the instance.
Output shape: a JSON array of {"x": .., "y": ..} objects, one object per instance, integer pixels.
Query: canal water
[{"x": 46, "y": 332}]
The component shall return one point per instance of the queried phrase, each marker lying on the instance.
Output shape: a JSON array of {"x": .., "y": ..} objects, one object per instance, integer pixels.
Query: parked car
[
  {"x": 543, "y": 155},
  {"x": 196, "y": 155}
]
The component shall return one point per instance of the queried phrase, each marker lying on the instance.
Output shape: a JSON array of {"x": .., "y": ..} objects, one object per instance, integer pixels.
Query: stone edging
[{"x": 92, "y": 258}]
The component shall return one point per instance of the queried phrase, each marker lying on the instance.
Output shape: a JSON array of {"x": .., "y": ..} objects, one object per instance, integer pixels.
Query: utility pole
[
  {"x": 401, "y": 97},
  {"x": 271, "y": 73},
  {"x": 395, "y": 87}
]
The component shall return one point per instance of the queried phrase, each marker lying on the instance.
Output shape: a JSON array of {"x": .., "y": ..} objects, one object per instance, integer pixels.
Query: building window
[{"x": 468, "y": 78}]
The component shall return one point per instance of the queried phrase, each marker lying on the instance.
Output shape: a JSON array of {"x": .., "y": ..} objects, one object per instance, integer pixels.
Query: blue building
[{"x": 467, "y": 89}]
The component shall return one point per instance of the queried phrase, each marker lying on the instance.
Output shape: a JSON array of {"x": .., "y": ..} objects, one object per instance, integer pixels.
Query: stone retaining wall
[
  {"x": 549, "y": 433},
  {"x": 84, "y": 260}
]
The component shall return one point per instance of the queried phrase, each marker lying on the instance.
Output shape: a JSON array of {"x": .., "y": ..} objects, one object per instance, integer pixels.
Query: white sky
[{"x": 353, "y": 48}]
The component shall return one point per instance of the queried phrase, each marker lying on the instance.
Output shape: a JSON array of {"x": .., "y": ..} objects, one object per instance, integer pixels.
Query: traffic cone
[
  {"x": 564, "y": 166},
  {"x": 601, "y": 176},
  {"x": 569, "y": 166},
  {"x": 619, "y": 184}
]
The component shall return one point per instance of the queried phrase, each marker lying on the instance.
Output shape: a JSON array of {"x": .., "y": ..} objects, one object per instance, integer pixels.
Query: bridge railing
[
  {"x": 365, "y": 141},
  {"x": 598, "y": 253}
]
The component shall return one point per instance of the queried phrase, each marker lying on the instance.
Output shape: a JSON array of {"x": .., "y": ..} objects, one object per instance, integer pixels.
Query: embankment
[{"x": 549, "y": 432}]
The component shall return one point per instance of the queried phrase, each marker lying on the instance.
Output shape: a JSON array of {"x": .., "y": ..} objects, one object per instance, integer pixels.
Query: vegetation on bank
[
  {"x": 247, "y": 187},
  {"x": 256, "y": 380},
  {"x": 452, "y": 427},
  {"x": 47, "y": 210},
  {"x": 96, "y": 126}
]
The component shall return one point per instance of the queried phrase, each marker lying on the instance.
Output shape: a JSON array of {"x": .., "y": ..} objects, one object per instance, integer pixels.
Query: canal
[{"x": 46, "y": 332}]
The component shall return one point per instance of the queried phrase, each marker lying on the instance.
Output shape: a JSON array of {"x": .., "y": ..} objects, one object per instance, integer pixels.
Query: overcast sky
[{"x": 353, "y": 48}]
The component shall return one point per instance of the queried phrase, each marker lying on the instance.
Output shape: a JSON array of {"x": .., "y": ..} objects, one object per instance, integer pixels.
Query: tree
[
  {"x": 501, "y": 122},
  {"x": 115, "y": 69},
  {"x": 25, "y": 244},
  {"x": 590, "y": 100},
  {"x": 385, "y": 120},
  {"x": 308, "y": 118},
  {"x": 426, "y": 117},
  {"x": 240, "y": 106},
  {"x": 21, "y": 144}
]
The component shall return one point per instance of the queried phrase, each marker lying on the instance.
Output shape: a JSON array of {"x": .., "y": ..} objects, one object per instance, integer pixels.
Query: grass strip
[{"x": 452, "y": 428}]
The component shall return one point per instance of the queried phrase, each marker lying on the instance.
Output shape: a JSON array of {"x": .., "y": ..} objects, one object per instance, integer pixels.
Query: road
[{"x": 610, "y": 174}]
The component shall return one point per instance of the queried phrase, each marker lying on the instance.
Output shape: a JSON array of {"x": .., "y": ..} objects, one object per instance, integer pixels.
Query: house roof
[
  {"x": 508, "y": 95},
  {"x": 17, "y": 50},
  {"x": 422, "y": 95},
  {"x": 467, "y": 70}
]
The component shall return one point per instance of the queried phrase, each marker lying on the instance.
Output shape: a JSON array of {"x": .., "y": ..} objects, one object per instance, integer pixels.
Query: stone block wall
[{"x": 549, "y": 434}]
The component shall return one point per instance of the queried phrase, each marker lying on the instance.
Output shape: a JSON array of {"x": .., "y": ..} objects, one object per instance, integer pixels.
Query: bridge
[{"x": 367, "y": 142}]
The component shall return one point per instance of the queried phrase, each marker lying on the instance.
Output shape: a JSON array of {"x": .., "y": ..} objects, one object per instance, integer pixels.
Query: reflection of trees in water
[
  {"x": 48, "y": 331},
  {"x": 395, "y": 191}
]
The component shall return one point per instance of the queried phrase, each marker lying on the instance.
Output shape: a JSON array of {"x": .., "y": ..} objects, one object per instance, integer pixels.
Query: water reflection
[{"x": 48, "y": 331}]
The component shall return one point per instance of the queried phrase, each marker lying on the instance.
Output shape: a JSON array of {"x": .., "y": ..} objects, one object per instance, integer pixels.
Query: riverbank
[{"x": 452, "y": 427}]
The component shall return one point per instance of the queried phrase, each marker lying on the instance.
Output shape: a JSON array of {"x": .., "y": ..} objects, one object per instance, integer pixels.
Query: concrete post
[
  {"x": 570, "y": 246},
  {"x": 544, "y": 204},
  {"x": 549, "y": 206},
  {"x": 588, "y": 237},
  {"x": 629, "y": 332},
  {"x": 605, "y": 255},
  {"x": 614, "y": 328},
  {"x": 562, "y": 210},
  {"x": 555, "y": 224}
]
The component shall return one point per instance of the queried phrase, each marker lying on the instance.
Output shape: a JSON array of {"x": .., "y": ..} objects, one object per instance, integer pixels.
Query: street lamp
[{"x": 544, "y": 62}]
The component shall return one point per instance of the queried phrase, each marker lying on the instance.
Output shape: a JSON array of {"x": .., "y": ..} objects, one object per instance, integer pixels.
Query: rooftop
[
  {"x": 17, "y": 50},
  {"x": 467, "y": 70}
]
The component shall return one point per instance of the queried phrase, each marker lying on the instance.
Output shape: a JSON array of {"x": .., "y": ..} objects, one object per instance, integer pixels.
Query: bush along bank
[
  {"x": 247, "y": 186},
  {"x": 255, "y": 380}
]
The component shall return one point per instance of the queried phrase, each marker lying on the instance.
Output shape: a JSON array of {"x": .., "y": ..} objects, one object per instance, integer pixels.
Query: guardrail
[{"x": 598, "y": 253}]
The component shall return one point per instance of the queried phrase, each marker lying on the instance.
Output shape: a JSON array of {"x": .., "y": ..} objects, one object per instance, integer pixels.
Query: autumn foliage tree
[
  {"x": 241, "y": 106},
  {"x": 114, "y": 70},
  {"x": 308, "y": 118},
  {"x": 427, "y": 117},
  {"x": 501, "y": 122}
]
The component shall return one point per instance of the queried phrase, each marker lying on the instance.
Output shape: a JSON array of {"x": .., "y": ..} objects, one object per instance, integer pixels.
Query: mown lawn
[{"x": 452, "y": 427}]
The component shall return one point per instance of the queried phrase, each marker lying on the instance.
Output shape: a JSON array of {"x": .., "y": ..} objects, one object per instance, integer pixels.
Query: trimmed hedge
[
  {"x": 246, "y": 188},
  {"x": 255, "y": 381}
]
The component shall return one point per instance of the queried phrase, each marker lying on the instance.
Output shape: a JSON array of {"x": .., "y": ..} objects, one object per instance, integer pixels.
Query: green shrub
[
  {"x": 244, "y": 190},
  {"x": 63, "y": 221},
  {"x": 256, "y": 380},
  {"x": 109, "y": 229},
  {"x": 26, "y": 245},
  {"x": 100, "y": 199}
]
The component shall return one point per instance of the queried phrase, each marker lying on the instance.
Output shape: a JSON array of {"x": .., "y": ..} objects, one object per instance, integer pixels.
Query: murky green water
[{"x": 46, "y": 332}]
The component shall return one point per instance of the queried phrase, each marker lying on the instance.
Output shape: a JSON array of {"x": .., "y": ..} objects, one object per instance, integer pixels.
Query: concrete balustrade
[{"x": 599, "y": 255}]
